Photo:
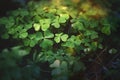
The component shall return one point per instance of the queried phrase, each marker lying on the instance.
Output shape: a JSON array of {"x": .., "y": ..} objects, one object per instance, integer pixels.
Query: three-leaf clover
[
  {"x": 46, "y": 42},
  {"x": 56, "y": 22},
  {"x": 63, "y": 18},
  {"x": 60, "y": 36},
  {"x": 72, "y": 42},
  {"x": 45, "y": 24}
]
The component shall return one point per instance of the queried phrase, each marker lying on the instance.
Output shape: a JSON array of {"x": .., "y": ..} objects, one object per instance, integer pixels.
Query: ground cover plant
[{"x": 59, "y": 40}]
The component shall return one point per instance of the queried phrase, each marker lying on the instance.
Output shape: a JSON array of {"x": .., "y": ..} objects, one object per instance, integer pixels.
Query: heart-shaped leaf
[
  {"x": 57, "y": 39},
  {"x": 64, "y": 37},
  {"x": 39, "y": 36},
  {"x": 46, "y": 43},
  {"x": 48, "y": 34},
  {"x": 45, "y": 24},
  {"x": 55, "y": 64},
  {"x": 23, "y": 35},
  {"x": 36, "y": 26},
  {"x": 63, "y": 18},
  {"x": 32, "y": 43},
  {"x": 56, "y": 24}
]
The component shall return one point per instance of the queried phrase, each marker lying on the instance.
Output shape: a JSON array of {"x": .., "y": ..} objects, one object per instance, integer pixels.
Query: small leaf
[
  {"x": 63, "y": 18},
  {"x": 39, "y": 36},
  {"x": 45, "y": 24},
  {"x": 22, "y": 53},
  {"x": 64, "y": 37},
  {"x": 36, "y": 26},
  {"x": 48, "y": 34},
  {"x": 32, "y": 43},
  {"x": 45, "y": 27},
  {"x": 46, "y": 43},
  {"x": 56, "y": 24},
  {"x": 78, "y": 26},
  {"x": 57, "y": 39},
  {"x": 55, "y": 64},
  {"x": 31, "y": 36},
  {"x": 23, "y": 35},
  {"x": 66, "y": 16}
]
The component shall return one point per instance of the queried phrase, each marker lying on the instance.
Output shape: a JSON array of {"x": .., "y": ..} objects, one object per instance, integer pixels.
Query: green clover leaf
[
  {"x": 36, "y": 26},
  {"x": 57, "y": 39},
  {"x": 48, "y": 34},
  {"x": 60, "y": 36},
  {"x": 23, "y": 35},
  {"x": 56, "y": 22},
  {"x": 45, "y": 24},
  {"x": 39, "y": 36},
  {"x": 64, "y": 37},
  {"x": 46, "y": 43},
  {"x": 63, "y": 18}
]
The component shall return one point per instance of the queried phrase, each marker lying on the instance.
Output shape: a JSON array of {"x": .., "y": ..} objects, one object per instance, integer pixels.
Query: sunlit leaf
[
  {"x": 45, "y": 24},
  {"x": 112, "y": 51},
  {"x": 36, "y": 26},
  {"x": 57, "y": 39},
  {"x": 62, "y": 20},
  {"x": 64, "y": 37}
]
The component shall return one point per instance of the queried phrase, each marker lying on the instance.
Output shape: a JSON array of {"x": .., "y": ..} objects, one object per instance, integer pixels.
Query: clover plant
[{"x": 60, "y": 31}]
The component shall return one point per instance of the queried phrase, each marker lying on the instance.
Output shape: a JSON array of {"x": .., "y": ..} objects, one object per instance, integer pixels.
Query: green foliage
[{"x": 58, "y": 33}]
